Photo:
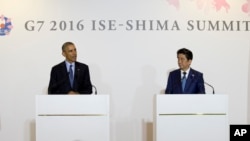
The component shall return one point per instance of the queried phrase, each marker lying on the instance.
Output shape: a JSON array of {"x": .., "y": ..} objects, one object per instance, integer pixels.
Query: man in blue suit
[
  {"x": 185, "y": 80},
  {"x": 70, "y": 76}
]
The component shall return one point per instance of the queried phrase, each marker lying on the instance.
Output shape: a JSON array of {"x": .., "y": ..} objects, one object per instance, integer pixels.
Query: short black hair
[
  {"x": 66, "y": 44},
  {"x": 186, "y": 52}
]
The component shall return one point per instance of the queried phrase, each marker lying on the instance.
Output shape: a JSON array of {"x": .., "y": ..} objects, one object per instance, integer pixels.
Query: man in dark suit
[
  {"x": 185, "y": 80},
  {"x": 70, "y": 76}
]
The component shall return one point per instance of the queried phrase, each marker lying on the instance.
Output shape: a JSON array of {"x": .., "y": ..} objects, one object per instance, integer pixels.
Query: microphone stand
[
  {"x": 210, "y": 86},
  {"x": 95, "y": 89}
]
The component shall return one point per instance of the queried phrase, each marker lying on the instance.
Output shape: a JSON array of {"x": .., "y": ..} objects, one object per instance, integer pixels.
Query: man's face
[
  {"x": 70, "y": 53},
  {"x": 183, "y": 62}
]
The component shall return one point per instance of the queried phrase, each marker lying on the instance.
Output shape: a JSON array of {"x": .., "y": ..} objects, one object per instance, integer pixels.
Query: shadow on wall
[
  {"x": 147, "y": 130},
  {"x": 144, "y": 101},
  {"x": 32, "y": 130}
]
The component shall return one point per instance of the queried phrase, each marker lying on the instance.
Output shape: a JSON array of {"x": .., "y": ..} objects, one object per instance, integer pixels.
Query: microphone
[
  {"x": 95, "y": 89},
  {"x": 210, "y": 86}
]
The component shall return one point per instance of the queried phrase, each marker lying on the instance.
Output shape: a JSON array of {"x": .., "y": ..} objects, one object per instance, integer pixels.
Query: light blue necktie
[
  {"x": 71, "y": 76},
  {"x": 183, "y": 81}
]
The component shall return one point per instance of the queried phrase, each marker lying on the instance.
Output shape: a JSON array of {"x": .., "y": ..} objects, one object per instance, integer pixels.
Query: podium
[
  {"x": 191, "y": 117},
  {"x": 72, "y": 118}
]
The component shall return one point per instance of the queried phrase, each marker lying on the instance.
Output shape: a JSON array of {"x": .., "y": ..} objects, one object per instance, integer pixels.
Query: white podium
[
  {"x": 72, "y": 118},
  {"x": 191, "y": 117}
]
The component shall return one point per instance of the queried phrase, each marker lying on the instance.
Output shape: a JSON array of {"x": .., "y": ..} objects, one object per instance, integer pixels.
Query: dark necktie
[
  {"x": 71, "y": 76},
  {"x": 183, "y": 81}
]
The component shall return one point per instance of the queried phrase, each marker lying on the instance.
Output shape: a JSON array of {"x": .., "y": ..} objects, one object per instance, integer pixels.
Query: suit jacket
[
  {"x": 60, "y": 83},
  {"x": 194, "y": 83}
]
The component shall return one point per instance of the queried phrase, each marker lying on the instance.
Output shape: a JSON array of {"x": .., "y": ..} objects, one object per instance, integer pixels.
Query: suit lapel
[
  {"x": 64, "y": 69},
  {"x": 65, "y": 72},
  {"x": 189, "y": 80},
  {"x": 178, "y": 77},
  {"x": 76, "y": 75}
]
